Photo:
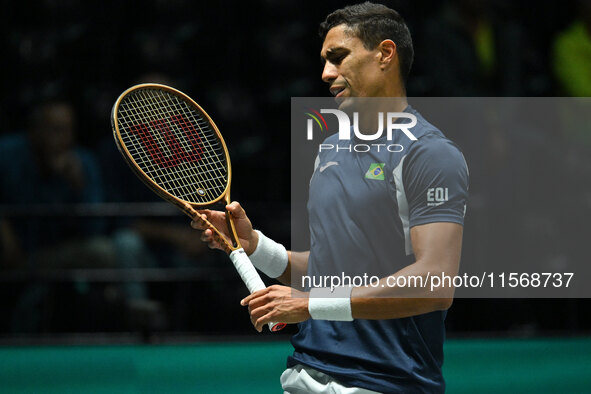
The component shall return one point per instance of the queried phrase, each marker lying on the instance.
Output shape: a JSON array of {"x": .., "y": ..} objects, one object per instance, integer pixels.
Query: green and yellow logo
[{"x": 376, "y": 171}]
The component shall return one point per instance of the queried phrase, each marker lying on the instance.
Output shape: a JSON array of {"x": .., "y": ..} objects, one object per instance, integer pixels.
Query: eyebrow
[{"x": 333, "y": 52}]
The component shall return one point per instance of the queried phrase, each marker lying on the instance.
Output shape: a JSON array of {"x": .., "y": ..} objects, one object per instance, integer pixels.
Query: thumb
[{"x": 236, "y": 210}]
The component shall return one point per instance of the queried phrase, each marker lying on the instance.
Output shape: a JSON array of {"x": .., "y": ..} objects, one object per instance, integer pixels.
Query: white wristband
[
  {"x": 330, "y": 304},
  {"x": 269, "y": 257}
]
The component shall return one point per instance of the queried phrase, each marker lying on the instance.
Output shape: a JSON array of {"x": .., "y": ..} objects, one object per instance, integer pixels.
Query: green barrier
[
  {"x": 471, "y": 366},
  {"x": 518, "y": 366}
]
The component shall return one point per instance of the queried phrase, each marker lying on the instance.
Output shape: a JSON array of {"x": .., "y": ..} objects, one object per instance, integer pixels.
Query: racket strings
[
  {"x": 215, "y": 157},
  {"x": 184, "y": 170},
  {"x": 161, "y": 141},
  {"x": 166, "y": 179},
  {"x": 136, "y": 147},
  {"x": 185, "y": 190},
  {"x": 174, "y": 145},
  {"x": 206, "y": 130}
]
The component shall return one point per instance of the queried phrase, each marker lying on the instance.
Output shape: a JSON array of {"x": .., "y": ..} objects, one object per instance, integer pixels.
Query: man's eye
[{"x": 337, "y": 59}]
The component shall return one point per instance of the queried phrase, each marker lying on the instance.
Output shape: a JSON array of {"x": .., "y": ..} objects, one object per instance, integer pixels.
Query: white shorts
[{"x": 305, "y": 380}]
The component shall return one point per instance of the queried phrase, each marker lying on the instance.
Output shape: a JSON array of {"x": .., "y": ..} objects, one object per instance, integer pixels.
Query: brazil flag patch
[{"x": 376, "y": 171}]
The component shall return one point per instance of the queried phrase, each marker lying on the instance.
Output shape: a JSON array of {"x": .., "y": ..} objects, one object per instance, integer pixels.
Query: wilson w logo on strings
[{"x": 157, "y": 132}]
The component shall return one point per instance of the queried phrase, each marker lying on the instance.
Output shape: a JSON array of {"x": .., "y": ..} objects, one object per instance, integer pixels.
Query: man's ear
[{"x": 387, "y": 52}]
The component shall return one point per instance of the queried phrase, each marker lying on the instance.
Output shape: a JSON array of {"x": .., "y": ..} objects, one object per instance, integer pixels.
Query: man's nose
[{"x": 329, "y": 73}]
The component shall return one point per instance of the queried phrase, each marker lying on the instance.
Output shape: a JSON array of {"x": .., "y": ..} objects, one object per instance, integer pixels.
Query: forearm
[
  {"x": 389, "y": 300},
  {"x": 395, "y": 308},
  {"x": 297, "y": 266}
]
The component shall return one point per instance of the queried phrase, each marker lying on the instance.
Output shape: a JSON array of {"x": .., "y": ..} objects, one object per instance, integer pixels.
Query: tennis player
[{"x": 390, "y": 214}]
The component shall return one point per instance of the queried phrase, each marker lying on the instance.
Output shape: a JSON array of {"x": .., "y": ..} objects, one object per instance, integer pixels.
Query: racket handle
[{"x": 250, "y": 277}]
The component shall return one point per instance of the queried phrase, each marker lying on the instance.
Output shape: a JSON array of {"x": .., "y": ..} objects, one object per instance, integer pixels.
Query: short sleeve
[{"x": 435, "y": 177}]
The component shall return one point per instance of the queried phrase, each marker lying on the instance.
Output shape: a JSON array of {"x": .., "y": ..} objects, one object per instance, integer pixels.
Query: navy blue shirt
[{"x": 361, "y": 207}]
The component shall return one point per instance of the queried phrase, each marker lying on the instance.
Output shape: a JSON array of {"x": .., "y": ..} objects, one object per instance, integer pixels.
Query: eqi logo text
[
  {"x": 437, "y": 196},
  {"x": 345, "y": 129}
]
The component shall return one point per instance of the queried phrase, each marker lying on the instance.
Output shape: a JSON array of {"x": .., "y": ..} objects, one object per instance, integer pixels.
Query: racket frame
[{"x": 189, "y": 208}]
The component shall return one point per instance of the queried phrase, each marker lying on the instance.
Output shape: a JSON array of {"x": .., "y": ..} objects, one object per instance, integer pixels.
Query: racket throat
[{"x": 232, "y": 228}]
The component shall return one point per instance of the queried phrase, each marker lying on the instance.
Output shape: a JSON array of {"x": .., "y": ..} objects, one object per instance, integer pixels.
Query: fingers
[
  {"x": 263, "y": 306},
  {"x": 207, "y": 234},
  {"x": 246, "y": 301},
  {"x": 198, "y": 224},
  {"x": 207, "y": 237},
  {"x": 257, "y": 306},
  {"x": 213, "y": 216},
  {"x": 261, "y": 314},
  {"x": 236, "y": 209},
  {"x": 261, "y": 321}
]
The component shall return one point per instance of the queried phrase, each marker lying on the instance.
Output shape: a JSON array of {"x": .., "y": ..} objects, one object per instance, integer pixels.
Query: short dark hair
[{"x": 373, "y": 23}]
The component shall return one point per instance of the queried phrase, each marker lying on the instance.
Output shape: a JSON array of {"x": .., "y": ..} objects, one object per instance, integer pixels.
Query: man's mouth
[{"x": 337, "y": 90}]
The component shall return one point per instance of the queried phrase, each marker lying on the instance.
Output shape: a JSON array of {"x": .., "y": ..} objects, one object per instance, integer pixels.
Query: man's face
[{"x": 350, "y": 69}]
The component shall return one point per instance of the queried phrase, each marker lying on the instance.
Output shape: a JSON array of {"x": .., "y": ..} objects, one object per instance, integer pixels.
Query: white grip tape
[
  {"x": 247, "y": 272},
  {"x": 250, "y": 277}
]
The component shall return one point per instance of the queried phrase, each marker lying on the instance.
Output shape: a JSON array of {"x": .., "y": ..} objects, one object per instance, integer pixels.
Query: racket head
[{"x": 172, "y": 145}]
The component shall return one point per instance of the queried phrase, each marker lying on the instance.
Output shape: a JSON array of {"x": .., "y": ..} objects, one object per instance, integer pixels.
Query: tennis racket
[{"x": 174, "y": 147}]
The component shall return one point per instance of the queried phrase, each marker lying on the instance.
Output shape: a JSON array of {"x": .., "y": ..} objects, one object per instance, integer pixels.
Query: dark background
[{"x": 243, "y": 61}]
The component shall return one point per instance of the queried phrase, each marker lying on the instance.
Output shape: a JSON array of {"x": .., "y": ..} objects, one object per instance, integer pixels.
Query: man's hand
[
  {"x": 276, "y": 304},
  {"x": 247, "y": 236}
]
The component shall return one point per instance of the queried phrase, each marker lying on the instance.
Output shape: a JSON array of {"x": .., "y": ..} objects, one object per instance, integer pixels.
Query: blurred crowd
[{"x": 65, "y": 63}]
